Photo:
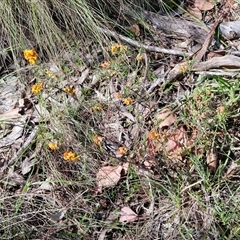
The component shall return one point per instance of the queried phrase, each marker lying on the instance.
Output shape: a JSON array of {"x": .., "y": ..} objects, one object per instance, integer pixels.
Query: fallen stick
[{"x": 140, "y": 45}]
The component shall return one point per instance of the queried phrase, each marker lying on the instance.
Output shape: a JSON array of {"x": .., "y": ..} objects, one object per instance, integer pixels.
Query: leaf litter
[{"x": 142, "y": 139}]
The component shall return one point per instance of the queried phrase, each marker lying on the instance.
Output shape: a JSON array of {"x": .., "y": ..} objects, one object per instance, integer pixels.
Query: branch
[{"x": 140, "y": 45}]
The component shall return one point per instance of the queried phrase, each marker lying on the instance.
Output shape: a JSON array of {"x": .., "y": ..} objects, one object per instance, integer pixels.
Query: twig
[
  {"x": 155, "y": 84},
  {"x": 215, "y": 73},
  {"x": 199, "y": 55},
  {"x": 140, "y": 45}
]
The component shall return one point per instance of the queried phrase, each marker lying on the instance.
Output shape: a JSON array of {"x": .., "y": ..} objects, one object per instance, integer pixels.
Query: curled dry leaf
[
  {"x": 127, "y": 215},
  {"x": 108, "y": 176},
  {"x": 211, "y": 160},
  {"x": 204, "y": 5},
  {"x": 166, "y": 117}
]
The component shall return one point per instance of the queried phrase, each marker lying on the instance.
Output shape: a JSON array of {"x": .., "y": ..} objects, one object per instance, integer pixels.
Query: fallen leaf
[
  {"x": 84, "y": 76},
  {"x": 204, "y": 5},
  {"x": 127, "y": 215},
  {"x": 174, "y": 143},
  {"x": 213, "y": 54},
  {"x": 231, "y": 169},
  {"x": 195, "y": 12},
  {"x": 108, "y": 176},
  {"x": 135, "y": 30},
  {"x": 125, "y": 168},
  {"x": 151, "y": 147},
  {"x": 166, "y": 117},
  {"x": 11, "y": 114},
  {"x": 177, "y": 138},
  {"x": 211, "y": 160},
  {"x": 16, "y": 133},
  {"x": 27, "y": 165},
  {"x": 58, "y": 216},
  {"x": 102, "y": 235}
]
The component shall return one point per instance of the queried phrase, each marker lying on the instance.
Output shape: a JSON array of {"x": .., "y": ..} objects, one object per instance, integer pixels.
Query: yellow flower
[
  {"x": 117, "y": 48},
  {"x": 128, "y": 101},
  {"x": 30, "y": 55},
  {"x": 122, "y": 150},
  {"x": 70, "y": 90},
  {"x": 53, "y": 146},
  {"x": 139, "y": 57},
  {"x": 106, "y": 64},
  {"x": 69, "y": 155},
  {"x": 182, "y": 69},
  {"x": 36, "y": 88},
  {"x": 153, "y": 135},
  {"x": 99, "y": 107},
  {"x": 97, "y": 140}
]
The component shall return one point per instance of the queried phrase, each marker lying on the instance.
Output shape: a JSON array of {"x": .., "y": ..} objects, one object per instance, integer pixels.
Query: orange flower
[
  {"x": 36, "y": 88},
  {"x": 69, "y": 155},
  {"x": 97, "y": 140},
  {"x": 106, "y": 64},
  {"x": 53, "y": 146},
  {"x": 182, "y": 69},
  {"x": 127, "y": 101},
  {"x": 122, "y": 150},
  {"x": 153, "y": 135},
  {"x": 30, "y": 55},
  {"x": 70, "y": 90},
  {"x": 98, "y": 107},
  {"x": 117, "y": 48}
]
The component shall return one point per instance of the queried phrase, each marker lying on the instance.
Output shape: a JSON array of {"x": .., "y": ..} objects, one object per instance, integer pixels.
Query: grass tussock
[{"x": 48, "y": 26}]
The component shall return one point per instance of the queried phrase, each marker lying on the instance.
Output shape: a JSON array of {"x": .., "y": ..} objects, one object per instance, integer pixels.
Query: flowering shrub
[
  {"x": 36, "y": 88},
  {"x": 128, "y": 101},
  {"x": 117, "y": 48},
  {"x": 30, "y": 55},
  {"x": 70, "y": 156},
  {"x": 53, "y": 146},
  {"x": 70, "y": 90}
]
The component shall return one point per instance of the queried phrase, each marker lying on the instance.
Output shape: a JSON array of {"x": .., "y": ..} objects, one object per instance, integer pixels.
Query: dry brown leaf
[
  {"x": 151, "y": 147},
  {"x": 204, "y": 5},
  {"x": 231, "y": 169},
  {"x": 177, "y": 138},
  {"x": 213, "y": 54},
  {"x": 127, "y": 215},
  {"x": 125, "y": 167},
  {"x": 135, "y": 29},
  {"x": 84, "y": 76},
  {"x": 166, "y": 117},
  {"x": 177, "y": 143},
  {"x": 211, "y": 160},
  {"x": 108, "y": 176},
  {"x": 103, "y": 233},
  {"x": 16, "y": 133},
  {"x": 195, "y": 12},
  {"x": 174, "y": 142},
  {"x": 11, "y": 114}
]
